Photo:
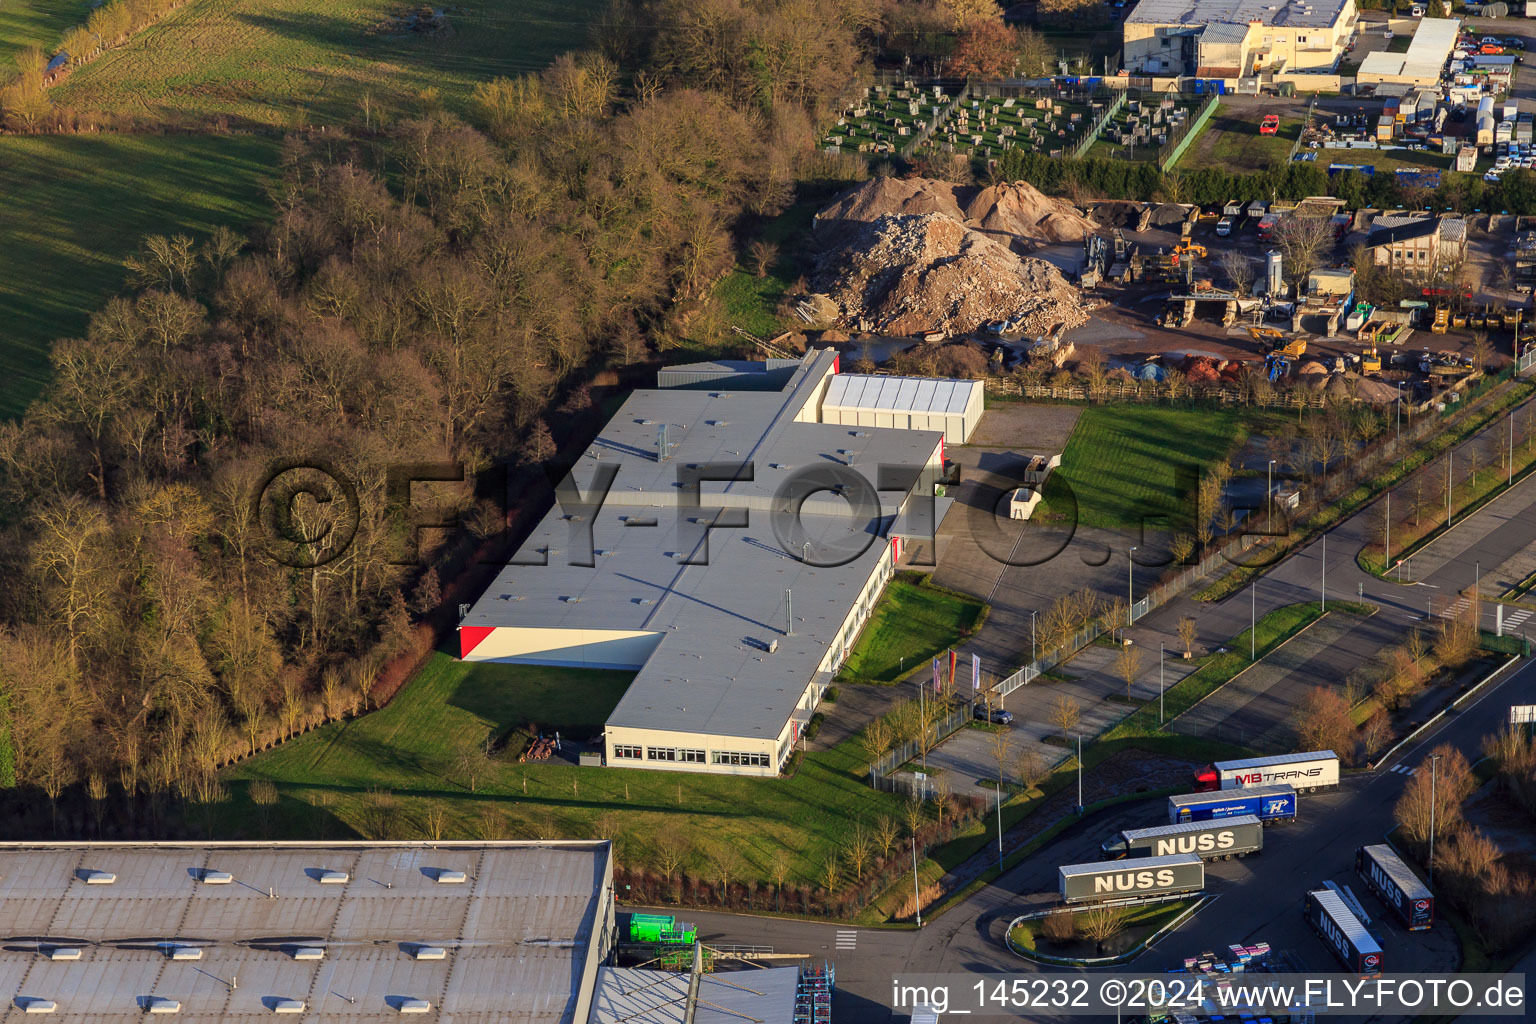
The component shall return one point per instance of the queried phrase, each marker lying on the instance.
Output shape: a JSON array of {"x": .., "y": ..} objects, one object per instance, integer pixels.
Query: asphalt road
[{"x": 1258, "y": 897}]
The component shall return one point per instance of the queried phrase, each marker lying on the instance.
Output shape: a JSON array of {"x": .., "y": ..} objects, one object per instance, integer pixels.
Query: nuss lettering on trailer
[
  {"x": 1131, "y": 881},
  {"x": 1203, "y": 843},
  {"x": 1384, "y": 882}
]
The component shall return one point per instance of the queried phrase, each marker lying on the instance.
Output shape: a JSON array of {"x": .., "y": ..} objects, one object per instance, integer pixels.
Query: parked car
[
  {"x": 996, "y": 716},
  {"x": 1224, "y": 227}
]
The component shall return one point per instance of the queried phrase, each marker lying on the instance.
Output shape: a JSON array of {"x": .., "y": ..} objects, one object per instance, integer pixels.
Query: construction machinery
[
  {"x": 1278, "y": 343},
  {"x": 1188, "y": 248},
  {"x": 1442, "y": 320},
  {"x": 1276, "y": 366},
  {"x": 1370, "y": 359}
]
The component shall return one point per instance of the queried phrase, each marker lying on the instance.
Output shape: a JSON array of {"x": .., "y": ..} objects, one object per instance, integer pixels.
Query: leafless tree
[
  {"x": 1128, "y": 666},
  {"x": 1065, "y": 714},
  {"x": 1239, "y": 270}
]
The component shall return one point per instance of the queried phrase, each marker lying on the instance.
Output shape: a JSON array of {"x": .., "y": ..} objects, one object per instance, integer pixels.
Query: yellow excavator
[
  {"x": 1370, "y": 359},
  {"x": 1293, "y": 348},
  {"x": 1188, "y": 248}
]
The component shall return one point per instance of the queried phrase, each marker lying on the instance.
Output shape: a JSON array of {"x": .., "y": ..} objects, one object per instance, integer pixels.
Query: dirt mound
[
  {"x": 1019, "y": 211},
  {"x": 1375, "y": 392},
  {"x": 1015, "y": 213},
  {"x": 1122, "y": 213},
  {"x": 909, "y": 274}
]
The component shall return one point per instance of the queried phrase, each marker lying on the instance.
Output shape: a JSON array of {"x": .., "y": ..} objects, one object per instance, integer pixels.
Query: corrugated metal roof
[
  {"x": 899, "y": 394},
  {"x": 518, "y": 931},
  {"x": 1387, "y": 859},
  {"x": 629, "y": 995},
  {"x": 1185, "y": 799},
  {"x": 1187, "y": 827},
  {"x": 1260, "y": 762},
  {"x": 1288, "y": 13},
  {"x": 1140, "y": 864},
  {"x": 1348, "y": 923}
]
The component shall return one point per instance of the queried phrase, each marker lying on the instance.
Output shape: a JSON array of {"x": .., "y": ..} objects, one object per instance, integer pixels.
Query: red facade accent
[
  {"x": 837, "y": 363},
  {"x": 470, "y": 638}
]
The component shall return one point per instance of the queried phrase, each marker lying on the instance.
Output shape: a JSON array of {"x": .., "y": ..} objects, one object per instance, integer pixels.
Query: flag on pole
[
  {"x": 936, "y": 686},
  {"x": 975, "y": 673},
  {"x": 952, "y": 657}
]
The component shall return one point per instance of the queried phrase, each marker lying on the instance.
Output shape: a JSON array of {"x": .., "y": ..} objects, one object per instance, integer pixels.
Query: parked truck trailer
[
  {"x": 1223, "y": 839},
  {"x": 1311, "y": 770},
  {"x": 1270, "y": 804},
  {"x": 1343, "y": 933},
  {"x": 1152, "y": 876},
  {"x": 1399, "y": 888}
]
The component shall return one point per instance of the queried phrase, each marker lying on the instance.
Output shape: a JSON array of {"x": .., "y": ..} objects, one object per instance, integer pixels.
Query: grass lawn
[
  {"x": 750, "y": 301},
  {"x": 1233, "y": 142},
  {"x": 277, "y": 62},
  {"x": 76, "y": 205},
  {"x": 411, "y": 748},
  {"x": 913, "y": 622},
  {"x": 39, "y": 23},
  {"x": 1123, "y": 461},
  {"x": 1140, "y": 921}
]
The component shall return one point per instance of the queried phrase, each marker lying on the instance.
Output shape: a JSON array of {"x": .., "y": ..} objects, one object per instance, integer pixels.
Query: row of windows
[
  {"x": 734, "y": 757},
  {"x": 675, "y": 754},
  {"x": 631, "y": 752}
]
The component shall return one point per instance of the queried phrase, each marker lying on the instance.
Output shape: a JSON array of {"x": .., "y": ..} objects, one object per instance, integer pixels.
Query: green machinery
[{"x": 662, "y": 928}]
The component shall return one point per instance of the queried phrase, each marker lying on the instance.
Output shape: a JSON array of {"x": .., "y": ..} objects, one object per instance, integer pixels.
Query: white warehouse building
[{"x": 736, "y": 599}]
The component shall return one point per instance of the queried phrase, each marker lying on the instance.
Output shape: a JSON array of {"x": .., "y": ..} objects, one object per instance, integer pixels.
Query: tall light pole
[
  {"x": 1130, "y": 593},
  {"x": 1269, "y": 494},
  {"x": 999, "y": 823},
  {"x": 1386, "y": 532},
  {"x": 1399, "y": 413},
  {"x": 1450, "y": 470},
  {"x": 1253, "y": 622},
  {"x": 917, "y": 897},
  {"x": 1160, "y": 687},
  {"x": 1034, "y": 646},
  {"x": 1325, "y": 572},
  {"x": 1433, "y": 764},
  {"x": 1511, "y": 449},
  {"x": 1079, "y": 773}
]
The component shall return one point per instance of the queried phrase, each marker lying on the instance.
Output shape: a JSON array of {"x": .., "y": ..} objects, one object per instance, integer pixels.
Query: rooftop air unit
[
  {"x": 98, "y": 877},
  {"x": 176, "y": 952},
  {"x": 429, "y": 953},
  {"x": 415, "y": 1006},
  {"x": 451, "y": 877},
  {"x": 160, "y": 1004},
  {"x": 39, "y": 1005},
  {"x": 309, "y": 953},
  {"x": 63, "y": 953},
  {"x": 210, "y": 877}
]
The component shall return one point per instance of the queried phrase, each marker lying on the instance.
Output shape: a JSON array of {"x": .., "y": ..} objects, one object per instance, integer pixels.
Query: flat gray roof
[
  {"x": 1279, "y": 13},
  {"x": 1189, "y": 827},
  {"x": 630, "y": 995},
  {"x": 709, "y": 673},
  {"x": 1141, "y": 863},
  {"x": 516, "y": 932}
]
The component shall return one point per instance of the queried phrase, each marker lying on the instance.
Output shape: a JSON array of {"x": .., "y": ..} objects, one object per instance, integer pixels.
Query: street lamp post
[
  {"x": 1130, "y": 593},
  {"x": 1034, "y": 646},
  {"x": 1399, "y": 413},
  {"x": 1450, "y": 471},
  {"x": 1386, "y": 533},
  {"x": 1160, "y": 687},
  {"x": 1269, "y": 494},
  {"x": 1079, "y": 773},
  {"x": 1253, "y": 622},
  {"x": 917, "y": 897},
  {"x": 1325, "y": 572}
]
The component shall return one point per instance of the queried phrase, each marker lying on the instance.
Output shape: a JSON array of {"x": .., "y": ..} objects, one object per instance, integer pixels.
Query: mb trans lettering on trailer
[{"x": 1312, "y": 770}]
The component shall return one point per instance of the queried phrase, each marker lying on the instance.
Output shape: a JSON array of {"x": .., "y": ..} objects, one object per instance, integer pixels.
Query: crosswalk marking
[
  {"x": 1516, "y": 618},
  {"x": 847, "y": 940},
  {"x": 1451, "y": 611},
  {"x": 1402, "y": 769}
]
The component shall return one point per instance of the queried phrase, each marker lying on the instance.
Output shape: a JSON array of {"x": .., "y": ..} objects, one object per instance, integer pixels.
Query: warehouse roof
[
  {"x": 517, "y": 933},
  {"x": 1290, "y": 13},
  {"x": 630, "y": 995},
  {"x": 1433, "y": 41},
  {"x": 712, "y": 601},
  {"x": 900, "y": 394},
  {"x": 1390, "y": 228}
]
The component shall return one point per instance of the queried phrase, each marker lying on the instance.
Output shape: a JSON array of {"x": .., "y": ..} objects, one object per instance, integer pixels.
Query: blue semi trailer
[{"x": 1270, "y": 804}]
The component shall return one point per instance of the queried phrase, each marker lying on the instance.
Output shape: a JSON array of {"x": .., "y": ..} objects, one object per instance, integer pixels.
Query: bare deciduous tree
[{"x": 1065, "y": 713}]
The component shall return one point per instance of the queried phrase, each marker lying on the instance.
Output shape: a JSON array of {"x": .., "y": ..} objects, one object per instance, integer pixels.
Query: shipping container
[
  {"x": 1153, "y": 876},
  {"x": 1311, "y": 770},
  {"x": 1270, "y": 804},
  {"x": 1342, "y": 932},
  {"x": 1209, "y": 840},
  {"x": 1397, "y": 885}
]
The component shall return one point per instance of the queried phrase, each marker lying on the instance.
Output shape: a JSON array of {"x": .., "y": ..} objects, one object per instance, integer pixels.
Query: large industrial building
[
  {"x": 733, "y": 598},
  {"x": 354, "y": 932},
  {"x": 1424, "y": 62},
  {"x": 1236, "y": 38}
]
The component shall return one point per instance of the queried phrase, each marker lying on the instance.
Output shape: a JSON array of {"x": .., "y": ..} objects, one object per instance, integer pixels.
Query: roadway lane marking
[
  {"x": 1516, "y": 618},
  {"x": 1402, "y": 769},
  {"x": 847, "y": 940}
]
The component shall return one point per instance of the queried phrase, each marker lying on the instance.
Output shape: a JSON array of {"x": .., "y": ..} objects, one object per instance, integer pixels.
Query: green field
[
  {"x": 39, "y": 23},
  {"x": 1233, "y": 143},
  {"x": 75, "y": 206},
  {"x": 912, "y": 623},
  {"x": 1122, "y": 461},
  {"x": 287, "y": 62},
  {"x": 412, "y": 748}
]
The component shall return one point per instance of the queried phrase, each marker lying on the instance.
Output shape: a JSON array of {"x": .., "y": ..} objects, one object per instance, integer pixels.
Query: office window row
[
  {"x": 739, "y": 758},
  {"x": 682, "y": 754},
  {"x": 626, "y": 750}
]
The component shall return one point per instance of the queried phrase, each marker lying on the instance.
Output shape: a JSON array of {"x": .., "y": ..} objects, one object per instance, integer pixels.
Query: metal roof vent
[
  {"x": 451, "y": 877},
  {"x": 63, "y": 953},
  {"x": 37, "y": 1005},
  {"x": 333, "y": 878},
  {"x": 308, "y": 953},
  {"x": 646, "y": 600},
  {"x": 511, "y": 597},
  {"x": 211, "y": 877},
  {"x": 429, "y": 953},
  {"x": 92, "y": 877},
  {"x": 288, "y": 1006},
  {"x": 160, "y": 1004},
  {"x": 861, "y": 433},
  {"x": 718, "y": 423}
]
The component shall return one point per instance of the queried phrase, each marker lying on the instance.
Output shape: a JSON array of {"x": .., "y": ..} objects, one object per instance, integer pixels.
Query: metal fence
[
  {"x": 907, "y": 750},
  {"x": 1169, "y": 152},
  {"x": 1096, "y": 126}
]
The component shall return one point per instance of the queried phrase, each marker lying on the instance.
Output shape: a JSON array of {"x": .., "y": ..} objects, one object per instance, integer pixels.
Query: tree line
[{"x": 442, "y": 291}]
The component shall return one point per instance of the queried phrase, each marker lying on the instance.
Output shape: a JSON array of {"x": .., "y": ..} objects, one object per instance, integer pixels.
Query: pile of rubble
[
  {"x": 910, "y": 274},
  {"x": 1014, "y": 213}
]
